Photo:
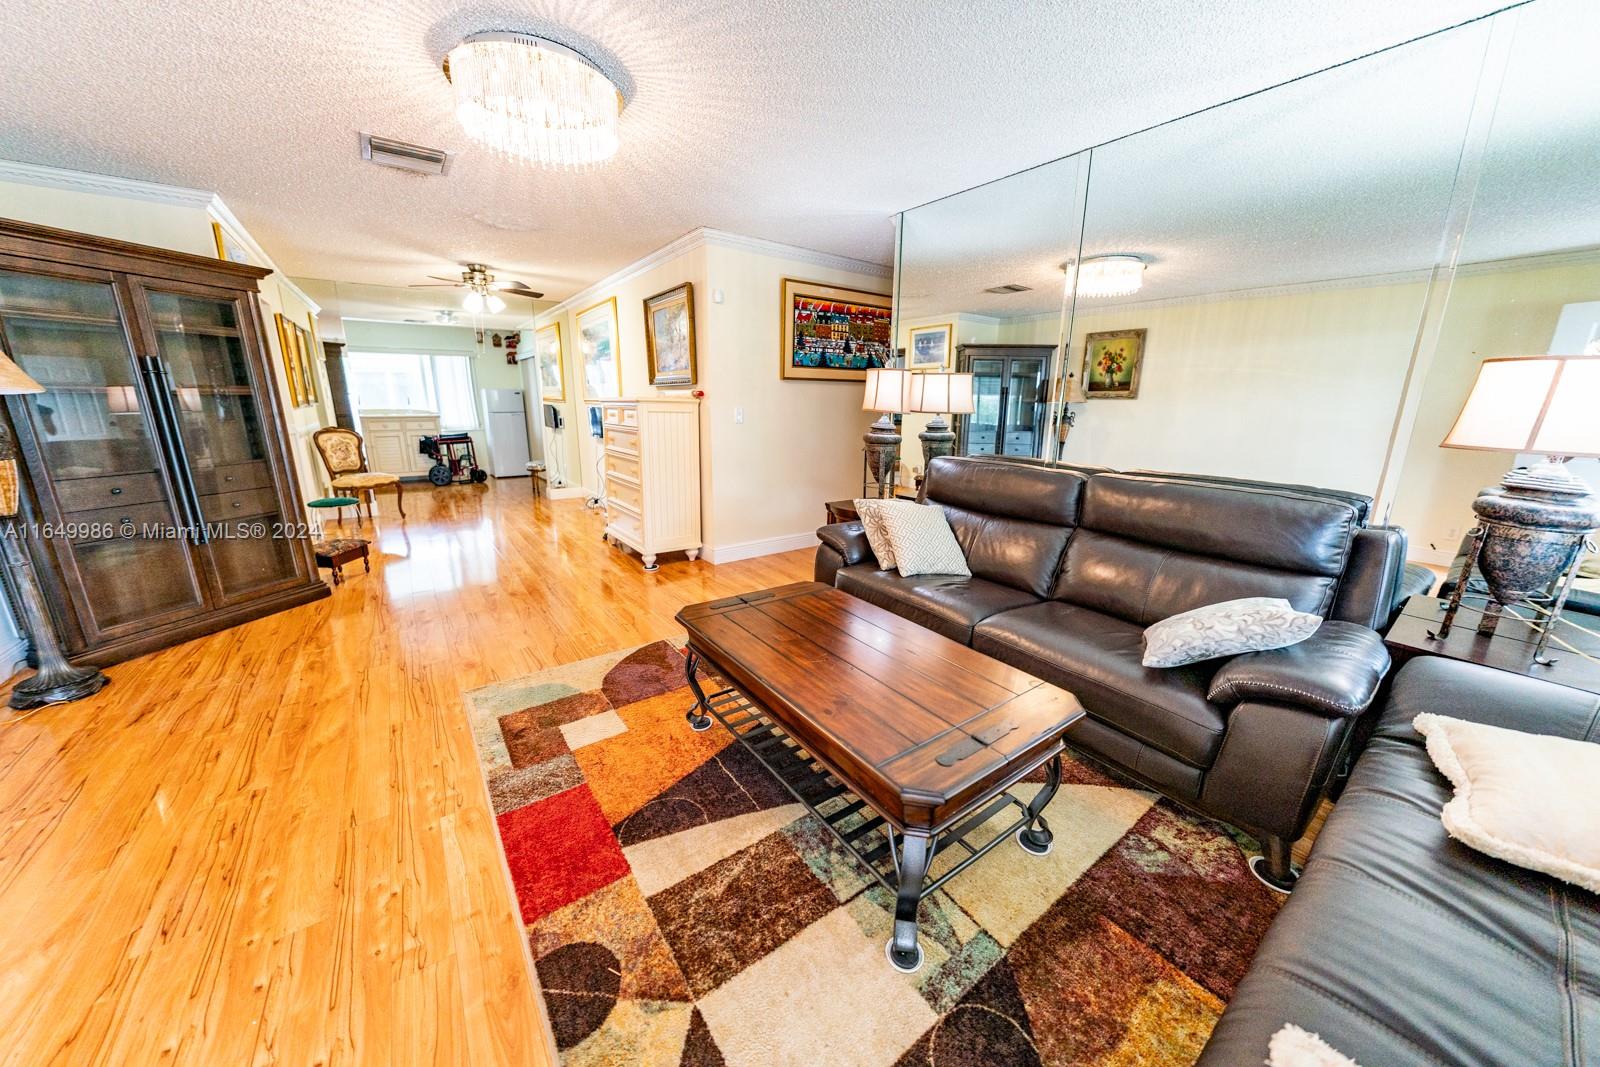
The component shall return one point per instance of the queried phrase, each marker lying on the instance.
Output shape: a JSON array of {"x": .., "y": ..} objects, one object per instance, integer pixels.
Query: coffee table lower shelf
[{"x": 898, "y": 860}]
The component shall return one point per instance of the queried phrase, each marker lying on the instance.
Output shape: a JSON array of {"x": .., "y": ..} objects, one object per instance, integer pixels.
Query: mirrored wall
[{"x": 1295, "y": 286}]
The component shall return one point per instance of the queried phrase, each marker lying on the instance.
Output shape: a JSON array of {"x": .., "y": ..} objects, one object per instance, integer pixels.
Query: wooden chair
[{"x": 345, "y": 457}]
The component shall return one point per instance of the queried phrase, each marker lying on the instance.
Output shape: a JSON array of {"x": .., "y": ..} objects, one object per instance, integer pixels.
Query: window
[{"x": 414, "y": 382}]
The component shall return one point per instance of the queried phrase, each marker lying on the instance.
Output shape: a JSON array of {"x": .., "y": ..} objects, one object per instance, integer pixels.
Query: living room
[{"x": 869, "y": 534}]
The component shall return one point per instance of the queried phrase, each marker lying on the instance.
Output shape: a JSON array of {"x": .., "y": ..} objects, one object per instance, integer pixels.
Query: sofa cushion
[
  {"x": 1012, "y": 522},
  {"x": 1394, "y": 927},
  {"x": 1098, "y": 657},
  {"x": 945, "y": 603}
]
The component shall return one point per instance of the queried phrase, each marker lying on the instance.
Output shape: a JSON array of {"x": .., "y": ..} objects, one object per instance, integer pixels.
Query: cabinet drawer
[
  {"x": 620, "y": 524},
  {"x": 620, "y": 463},
  {"x": 223, "y": 507},
  {"x": 117, "y": 491},
  {"x": 625, "y": 494},
  {"x": 621, "y": 415},
  {"x": 106, "y": 524},
  {"x": 620, "y": 440},
  {"x": 233, "y": 477}
]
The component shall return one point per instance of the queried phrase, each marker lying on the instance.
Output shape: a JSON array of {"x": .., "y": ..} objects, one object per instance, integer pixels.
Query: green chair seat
[{"x": 334, "y": 502}]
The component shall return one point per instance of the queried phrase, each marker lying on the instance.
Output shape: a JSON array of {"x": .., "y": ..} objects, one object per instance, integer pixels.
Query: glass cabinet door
[
  {"x": 108, "y": 504},
  {"x": 1024, "y": 393},
  {"x": 1008, "y": 395},
  {"x": 205, "y": 376},
  {"x": 983, "y": 425}
]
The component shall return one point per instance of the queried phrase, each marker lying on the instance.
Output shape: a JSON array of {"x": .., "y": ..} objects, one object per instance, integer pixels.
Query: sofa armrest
[
  {"x": 849, "y": 540},
  {"x": 1335, "y": 671}
]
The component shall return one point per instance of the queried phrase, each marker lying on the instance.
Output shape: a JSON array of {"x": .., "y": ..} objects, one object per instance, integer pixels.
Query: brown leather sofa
[
  {"x": 1403, "y": 948},
  {"x": 1070, "y": 567}
]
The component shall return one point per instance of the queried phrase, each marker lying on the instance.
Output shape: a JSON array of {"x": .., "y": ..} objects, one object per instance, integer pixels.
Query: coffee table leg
[
  {"x": 1035, "y": 838},
  {"x": 915, "y": 853},
  {"x": 698, "y": 719}
]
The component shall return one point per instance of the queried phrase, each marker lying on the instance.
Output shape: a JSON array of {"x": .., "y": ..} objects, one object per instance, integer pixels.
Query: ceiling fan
[{"x": 481, "y": 289}]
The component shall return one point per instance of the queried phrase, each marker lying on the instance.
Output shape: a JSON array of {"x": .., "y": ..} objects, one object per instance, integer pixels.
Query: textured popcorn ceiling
[
  {"x": 1344, "y": 175},
  {"x": 797, "y": 122}
]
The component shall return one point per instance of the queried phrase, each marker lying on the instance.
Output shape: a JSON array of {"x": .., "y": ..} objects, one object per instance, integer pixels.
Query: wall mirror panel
[{"x": 1324, "y": 265}]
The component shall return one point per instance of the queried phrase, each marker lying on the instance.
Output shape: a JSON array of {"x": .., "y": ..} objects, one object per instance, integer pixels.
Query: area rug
[{"x": 683, "y": 909}]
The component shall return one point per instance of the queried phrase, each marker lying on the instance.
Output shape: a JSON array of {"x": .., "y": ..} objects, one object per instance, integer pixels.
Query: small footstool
[
  {"x": 340, "y": 502},
  {"x": 336, "y": 553}
]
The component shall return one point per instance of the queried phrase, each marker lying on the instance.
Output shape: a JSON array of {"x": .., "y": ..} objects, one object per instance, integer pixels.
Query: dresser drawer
[
  {"x": 625, "y": 494},
  {"x": 622, "y": 440},
  {"x": 233, "y": 477},
  {"x": 224, "y": 507},
  {"x": 117, "y": 491},
  {"x": 106, "y": 524},
  {"x": 621, "y": 463},
  {"x": 621, "y": 524},
  {"x": 621, "y": 415}
]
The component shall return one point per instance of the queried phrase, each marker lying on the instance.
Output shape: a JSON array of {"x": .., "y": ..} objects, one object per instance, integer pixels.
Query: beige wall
[{"x": 764, "y": 477}]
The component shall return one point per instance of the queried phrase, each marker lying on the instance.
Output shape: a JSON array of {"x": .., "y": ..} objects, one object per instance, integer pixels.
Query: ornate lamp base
[
  {"x": 883, "y": 454},
  {"x": 56, "y": 680},
  {"x": 55, "y": 687},
  {"x": 937, "y": 440}
]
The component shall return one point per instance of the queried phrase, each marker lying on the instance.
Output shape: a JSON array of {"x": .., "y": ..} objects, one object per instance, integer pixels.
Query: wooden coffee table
[{"x": 900, "y": 740}]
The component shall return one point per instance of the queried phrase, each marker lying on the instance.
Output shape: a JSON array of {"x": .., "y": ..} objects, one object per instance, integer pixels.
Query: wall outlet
[
  {"x": 716, "y": 296},
  {"x": 738, "y": 416}
]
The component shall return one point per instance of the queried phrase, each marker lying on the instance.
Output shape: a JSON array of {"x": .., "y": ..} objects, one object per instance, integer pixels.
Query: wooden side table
[
  {"x": 845, "y": 510},
  {"x": 336, "y": 553},
  {"x": 1510, "y": 649}
]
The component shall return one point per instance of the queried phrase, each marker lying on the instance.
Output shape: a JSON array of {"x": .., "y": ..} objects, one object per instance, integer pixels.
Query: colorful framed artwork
[
  {"x": 669, "y": 336},
  {"x": 597, "y": 350},
  {"x": 1111, "y": 364},
  {"x": 308, "y": 361},
  {"x": 288, "y": 348},
  {"x": 930, "y": 346},
  {"x": 552, "y": 375},
  {"x": 833, "y": 334}
]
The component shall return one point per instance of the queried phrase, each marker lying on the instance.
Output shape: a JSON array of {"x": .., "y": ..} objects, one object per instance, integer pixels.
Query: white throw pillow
[
  {"x": 1294, "y": 1047},
  {"x": 1528, "y": 799},
  {"x": 1252, "y": 624},
  {"x": 870, "y": 512},
  {"x": 923, "y": 542}
]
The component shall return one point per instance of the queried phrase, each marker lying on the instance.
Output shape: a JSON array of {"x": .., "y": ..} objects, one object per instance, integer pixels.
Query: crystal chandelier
[
  {"x": 530, "y": 97},
  {"x": 1108, "y": 276}
]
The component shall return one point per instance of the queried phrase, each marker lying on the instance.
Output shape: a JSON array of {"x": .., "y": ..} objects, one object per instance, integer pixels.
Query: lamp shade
[
  {"x": 886, "y": 390},
  {"x": 14, "y": 380},
  {"x": 1540, "y": 404},
  {"x": 939, "y": 392}
]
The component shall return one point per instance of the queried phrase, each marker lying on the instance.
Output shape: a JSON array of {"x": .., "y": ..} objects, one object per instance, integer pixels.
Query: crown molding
[
  {"x": 706, "y": 237},
  {"x": 103, "y": 184}
]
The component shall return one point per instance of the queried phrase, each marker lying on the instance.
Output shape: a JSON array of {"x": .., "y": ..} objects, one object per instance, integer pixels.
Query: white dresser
[
  {"x": 391, "y": 440},
  {"x": 652, "y": 469}
]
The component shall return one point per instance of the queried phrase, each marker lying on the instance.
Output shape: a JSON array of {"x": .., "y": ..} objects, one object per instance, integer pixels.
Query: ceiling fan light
[
  {"x": 1107, "y": 276},
  {"x": 495, "y": 304},
  {"x": 530, "y": 97},
  {"x": 473, "y": 301}
]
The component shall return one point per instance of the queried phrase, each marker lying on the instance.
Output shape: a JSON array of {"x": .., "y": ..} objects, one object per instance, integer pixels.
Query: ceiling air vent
[
  {"x": 403, "y": 156},
  {"x": 1013, "y": 287}
]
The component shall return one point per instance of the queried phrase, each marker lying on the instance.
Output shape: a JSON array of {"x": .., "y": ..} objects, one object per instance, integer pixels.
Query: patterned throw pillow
[
  {"x": 922, "y": 541},
  {"x": 1252, "y": 624},
  {"x": 871, "y": 514}
]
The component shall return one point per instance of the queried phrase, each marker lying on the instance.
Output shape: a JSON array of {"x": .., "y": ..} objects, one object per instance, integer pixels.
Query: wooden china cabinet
[{"x": 160, "y": 501}]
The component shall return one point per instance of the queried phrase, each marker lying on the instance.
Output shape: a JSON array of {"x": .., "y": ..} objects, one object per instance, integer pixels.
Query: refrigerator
[{"x": 507, "y": 431}]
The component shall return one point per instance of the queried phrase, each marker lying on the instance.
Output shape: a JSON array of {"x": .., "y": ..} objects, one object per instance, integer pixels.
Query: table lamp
[
  {"x": 938, "y": 393},
  {"x": 1534, "y": 524},
  {"x": 886, "y": 393},
  {"x": 56, "y": 681}
]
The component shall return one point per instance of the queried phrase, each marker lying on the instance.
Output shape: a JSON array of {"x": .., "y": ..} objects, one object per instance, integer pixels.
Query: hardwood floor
[{"x": 272, "y": 845}]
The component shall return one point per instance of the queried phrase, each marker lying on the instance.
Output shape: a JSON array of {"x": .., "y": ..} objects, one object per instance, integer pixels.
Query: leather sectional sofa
[
  {"x": 1070, "y": 566},
  {"x": 1403, "y": 948}
]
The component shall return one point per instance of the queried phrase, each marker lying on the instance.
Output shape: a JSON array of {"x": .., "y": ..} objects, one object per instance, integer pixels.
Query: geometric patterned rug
[{"x": 683, "y": 909}]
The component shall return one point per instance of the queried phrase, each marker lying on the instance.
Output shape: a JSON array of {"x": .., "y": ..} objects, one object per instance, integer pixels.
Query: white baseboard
[
  {"x": 567, "y": 492},
  {"x": 767, "y": 546},
  {"x": 1439, "y": 557}
]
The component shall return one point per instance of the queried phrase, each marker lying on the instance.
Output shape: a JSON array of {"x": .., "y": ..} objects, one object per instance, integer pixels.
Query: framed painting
[
  {"x": 597, "y": 348},
  {"x": 930, "y": 346},
  {"x": 1111, "y": 364},
  {"x": 308, "y": 365},
  {"x": 552, "y": 375},
  {"x": 288, "y": 346},
  {"x": 669, "y": 336},
  {"x": 229, "y": 247},
  {"x": 833, "y": 334}
]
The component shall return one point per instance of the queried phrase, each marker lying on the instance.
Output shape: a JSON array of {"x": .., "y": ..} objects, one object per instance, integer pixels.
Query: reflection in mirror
[
  {"x": 983, "y": 270},
  {"x": 1287, "y": 242},
  {"x": 1529, "y": 276}
]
